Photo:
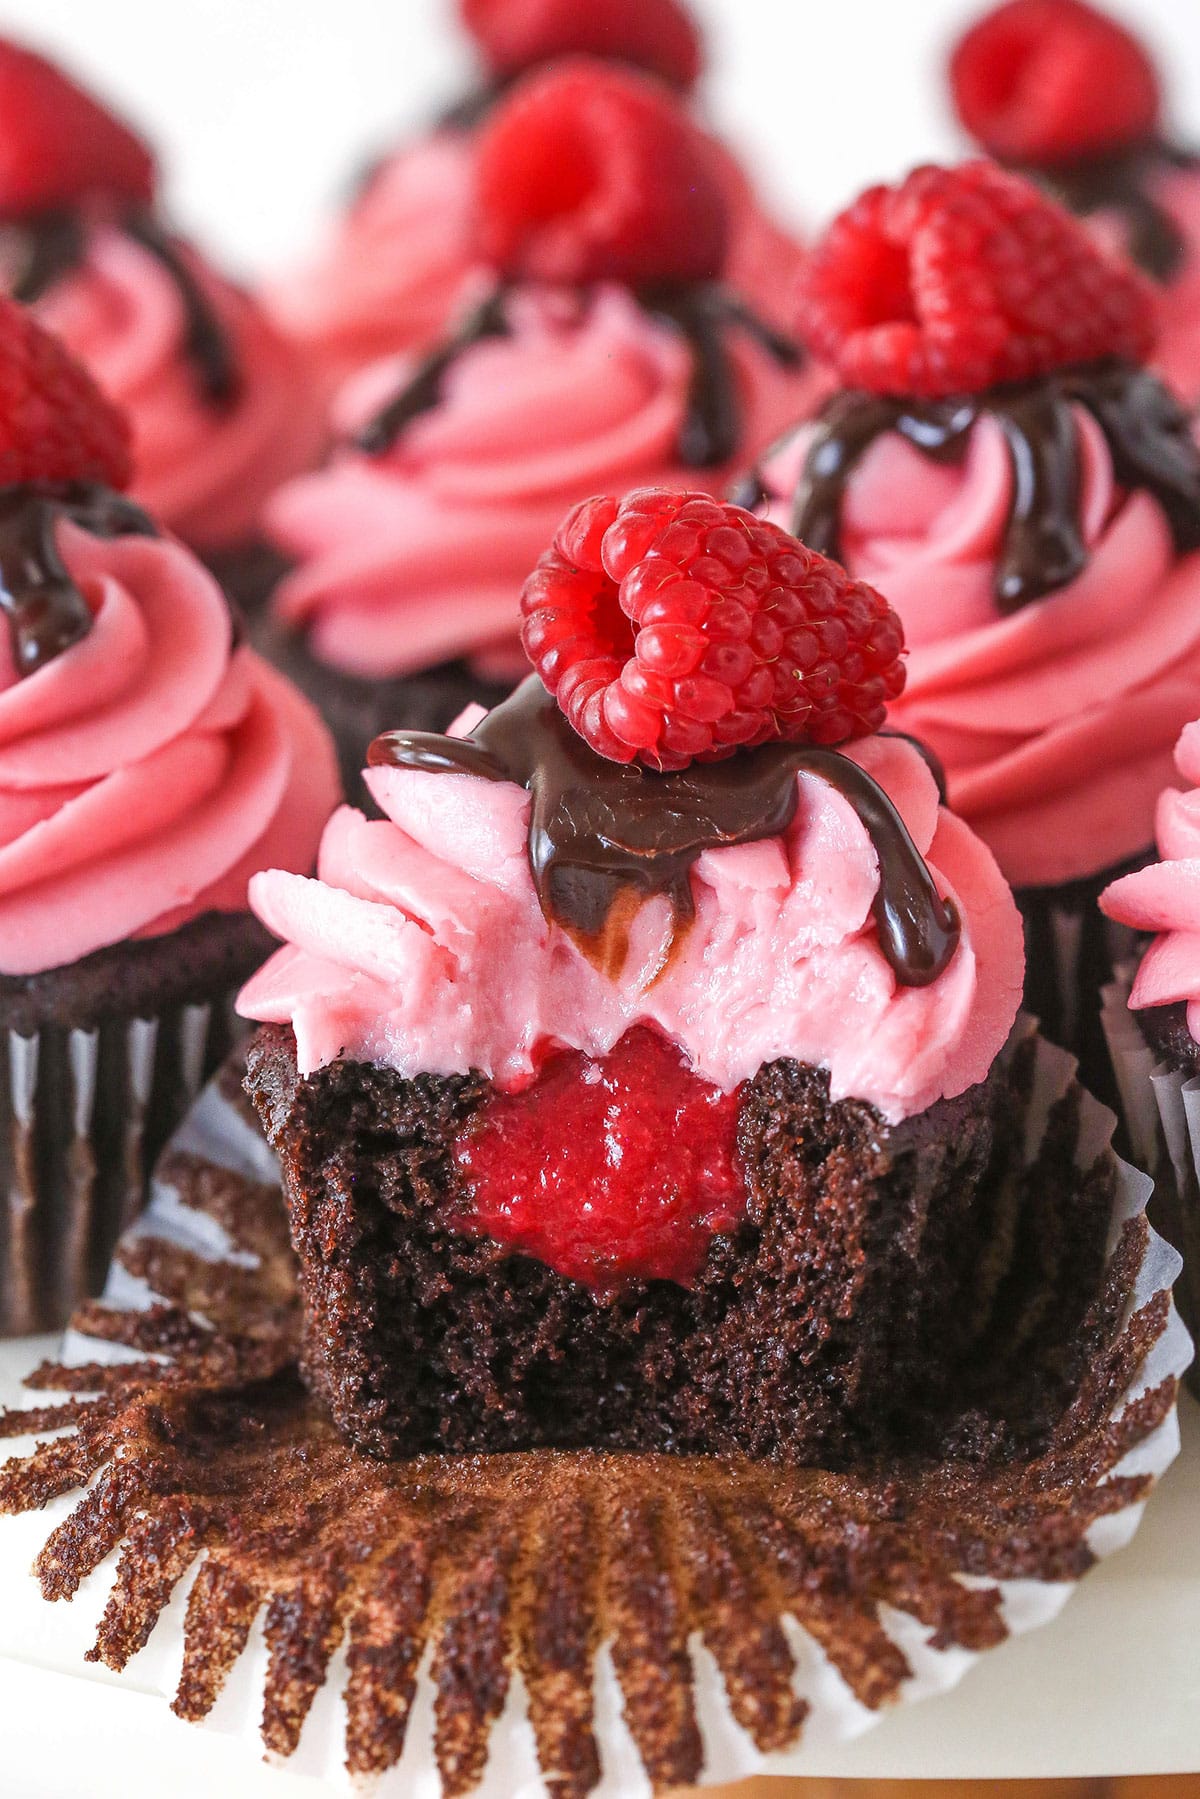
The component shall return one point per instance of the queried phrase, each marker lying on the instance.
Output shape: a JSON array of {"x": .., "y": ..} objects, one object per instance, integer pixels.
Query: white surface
[
  {"x": 263, "y": 108},
  {"x": 1111, "y": 1687}
]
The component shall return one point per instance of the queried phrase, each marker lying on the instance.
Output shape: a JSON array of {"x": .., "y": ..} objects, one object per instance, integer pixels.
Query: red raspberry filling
[{"x": 608, "y": 1170}]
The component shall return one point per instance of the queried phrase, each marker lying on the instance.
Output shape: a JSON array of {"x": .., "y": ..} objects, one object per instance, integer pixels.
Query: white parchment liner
[{"x": 31, "y": 1629}]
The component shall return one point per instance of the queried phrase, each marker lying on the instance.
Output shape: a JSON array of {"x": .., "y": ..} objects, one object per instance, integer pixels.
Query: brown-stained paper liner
[
  {"x": 548, "y": 1622},
  {"x": 82, "y": 1114},
  {"x": 1161, "y": 1106}
]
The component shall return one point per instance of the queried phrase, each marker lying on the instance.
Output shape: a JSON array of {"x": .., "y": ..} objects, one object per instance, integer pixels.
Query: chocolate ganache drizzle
[
  {"x": 702, "y": 312},
  {"x": 38, "y": 252},
  {"x": 1147, "y": 431},
  {"x": 604, "y": 836},
  {"x": 44, "y": 609},
  {"x": 1121, "y": 182}
]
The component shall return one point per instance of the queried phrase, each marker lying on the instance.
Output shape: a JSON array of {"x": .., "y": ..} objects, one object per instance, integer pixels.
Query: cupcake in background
[
  {"x": 1027, "y": 495},
  {"x": 607, "y": 349},
  {"x": 399, "y": 265},
  {"x": 221, "y": 406},
  {"x": 150, "y": 763},
  {"x": 636, "y": 1075},
  {"x": 1068, "y": 96},
  {"x": 1152, "y": 1019}
]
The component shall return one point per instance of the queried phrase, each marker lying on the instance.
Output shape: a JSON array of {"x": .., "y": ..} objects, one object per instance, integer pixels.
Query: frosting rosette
[
  {"x": 393, "y": 271},
  {"x": 1164, "y": 898},
  {"x": 421, "y": 945},
  {"x": 150, "y": 768},
  {"x": 1056, "y": 722},
  {"x": 416, "y": 555},
  {"x": 204, "y": 463}
]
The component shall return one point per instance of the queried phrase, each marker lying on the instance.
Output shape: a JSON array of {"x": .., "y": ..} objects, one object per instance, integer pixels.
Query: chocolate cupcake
[
  {"x": 636, "y": 1078},
  {"x": 1068, "y": 96},
  {"x": 1152, "y": 1020},
  {"x": 1003, "y": 467},
  {"x": 602, "y": 351},
  {"x": 149, "y": 763},
  {"x": 222, "y": 407}
]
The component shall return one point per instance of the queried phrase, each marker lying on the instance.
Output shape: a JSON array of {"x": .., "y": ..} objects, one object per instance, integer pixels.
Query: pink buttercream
[
  {"x": 418, "y": 556},
  {"x": 1056, "y": 724},
  {"x": 1177, "y": 352},
  {"x": 394, "y": 272},
  {"x": 422, "y": 945},
  {"x": 149, "y": 770},
  {"x": 1165, "y": 898},
  {"x": 203, "y": 468}
]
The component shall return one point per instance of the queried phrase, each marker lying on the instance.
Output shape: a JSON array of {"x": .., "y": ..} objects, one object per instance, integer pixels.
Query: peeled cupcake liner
[
  {"x": 83, "y": 1114},
  {"x": 1071, "y": 952},
  {"x": 1161, "y": 1110},
  {"x": 631, "y": 1623}
]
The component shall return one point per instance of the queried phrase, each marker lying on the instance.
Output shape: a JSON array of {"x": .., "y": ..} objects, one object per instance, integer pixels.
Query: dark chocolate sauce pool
[
  {"x": 38, "y": 252},
  {"x": 702, "y": 312},
  {"x": 44, "y": 610},
  {"x": 1147, "y": 431},
  {"x": 604, "y": 836}
]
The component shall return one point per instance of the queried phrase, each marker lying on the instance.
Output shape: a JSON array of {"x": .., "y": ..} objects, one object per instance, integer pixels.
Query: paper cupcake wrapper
[
  {"x": 1161, "y": 1109},
  {"x": 1072, "y": 951},
  {"x": 572, "y": 1623},
  {"x": 83, "y": 1114}
]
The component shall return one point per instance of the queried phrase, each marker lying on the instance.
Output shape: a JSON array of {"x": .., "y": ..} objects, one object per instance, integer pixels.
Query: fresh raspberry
[
  {"x": 962, "y": 278},
  {"x": 656, "y": 35},
  {"x": 1052, "y": 81},
  {"x": 55, "y": 424},
  {"x": 587, "y": 172},
  {"x": 672, "y": 628},
  {"x": 608, "y": 1171},
  {"x": 58, "y": 146}
]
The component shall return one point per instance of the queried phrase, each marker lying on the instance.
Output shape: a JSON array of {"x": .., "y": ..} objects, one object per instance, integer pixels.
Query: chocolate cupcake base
[
  {"x": 357, "y": 710},
  {"x": 99, "y": 1060},
  {"x": 867, "y": 1270},
  {"x": 574, "y": 1620}
]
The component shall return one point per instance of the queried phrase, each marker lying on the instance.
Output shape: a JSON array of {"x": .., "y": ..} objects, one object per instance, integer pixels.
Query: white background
[{"x": 263, "y": 108}]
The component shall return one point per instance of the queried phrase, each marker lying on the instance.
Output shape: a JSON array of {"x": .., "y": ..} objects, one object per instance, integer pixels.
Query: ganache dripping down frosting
[
  {"x": 703, "y": 313},
  {"x": 1147, "y": 430},
  {"x": 43, "y": 607},
  {"x": 1123, "y": 182},
  {"x": 603, "y": 834}
]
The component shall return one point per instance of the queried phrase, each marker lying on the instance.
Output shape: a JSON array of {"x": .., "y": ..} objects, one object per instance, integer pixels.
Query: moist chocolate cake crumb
[
  {"x": 1165, "y": 1031},
  {"x": 870, "y": 1264}
]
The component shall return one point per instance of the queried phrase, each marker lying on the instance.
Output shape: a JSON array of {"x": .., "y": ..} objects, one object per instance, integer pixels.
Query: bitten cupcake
[
  {"x": 635, "y": 1077},
  {"x": 222, "y": 408},
  {"x": 149, "y": 764},
  {"x": 1003, "y": 468},
  {"x": 1156, "y": 1043},
  {"x": 401, "y": 263},
  {"x": 607, "y": 350},
  {"x": 1068, "y": 96}
]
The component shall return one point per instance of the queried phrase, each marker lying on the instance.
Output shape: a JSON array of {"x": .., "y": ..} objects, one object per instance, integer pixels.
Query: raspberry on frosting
[
  {"x": 55, "y": 424},
  {"x": 659, "y": 36},
  {"x": 591, "y": 173},
  {"x": 959, "y": 279},
  {"x": 1046, "y": 82},
  {"x": 58, "y": 145},
  {"x": 673, "y": 628}
]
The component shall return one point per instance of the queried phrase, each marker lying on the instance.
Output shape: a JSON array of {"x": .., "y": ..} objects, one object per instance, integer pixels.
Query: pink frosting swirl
[
  {"x": 146, "y": 772},
  {"x": 394, "y": 270},
  {"x": 422, "y": 946},
  {"x": 202, "y": 467},
  {"x": 1055, "y": 724},
  {"x": 393, "y": 273},
  {"x": 1177, "y": 351},
  {"x": 1165, "y": 897},
  {"x": 418, "y": 556}
]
